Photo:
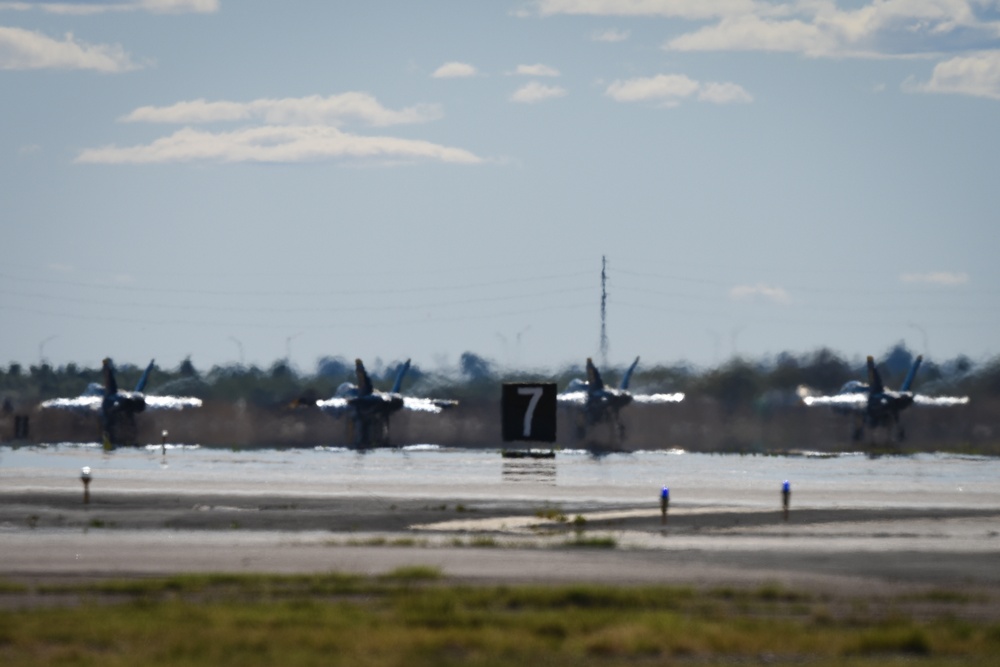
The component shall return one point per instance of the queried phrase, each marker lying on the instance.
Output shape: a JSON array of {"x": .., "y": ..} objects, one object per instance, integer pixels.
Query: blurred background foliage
[{"x": 737, "y": 382}]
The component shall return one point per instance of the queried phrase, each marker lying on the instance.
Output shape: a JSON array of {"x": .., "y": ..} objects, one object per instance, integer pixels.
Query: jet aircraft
[
  {"x": 117, "y": 408},
  {"x": 368, "y": 410},
  {"x": 872, "y": 405},
  {"x": 594, "y": 404}
]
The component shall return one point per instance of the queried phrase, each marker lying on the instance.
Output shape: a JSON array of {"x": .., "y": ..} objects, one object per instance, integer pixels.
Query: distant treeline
[
  {"x": 739, "y": 381},
  {"x": 743, "y": 405}
]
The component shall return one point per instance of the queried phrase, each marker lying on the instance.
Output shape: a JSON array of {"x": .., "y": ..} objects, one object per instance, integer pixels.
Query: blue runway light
[
  {"x": 786, "y": 495},
  {"x": 665, "y": 493}
]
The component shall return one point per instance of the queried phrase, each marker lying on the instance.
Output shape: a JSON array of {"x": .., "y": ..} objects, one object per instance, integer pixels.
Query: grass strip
[{"x": 414, "y": 616}]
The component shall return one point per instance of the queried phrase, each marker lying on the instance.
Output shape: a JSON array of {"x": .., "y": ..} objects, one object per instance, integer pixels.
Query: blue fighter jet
[
  {"x": 368, "y": 410},
  {"x": 117, "y": 408},
  {"x": 872, "y": 405},
  {"x": 594, "y": 404}
]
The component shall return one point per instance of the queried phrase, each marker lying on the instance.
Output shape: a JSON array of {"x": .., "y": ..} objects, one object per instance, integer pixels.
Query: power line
[{"x": 396, "y": 289}]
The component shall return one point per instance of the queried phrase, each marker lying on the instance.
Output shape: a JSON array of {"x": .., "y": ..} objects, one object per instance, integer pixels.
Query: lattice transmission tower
[{"x": 604, "y": 311}]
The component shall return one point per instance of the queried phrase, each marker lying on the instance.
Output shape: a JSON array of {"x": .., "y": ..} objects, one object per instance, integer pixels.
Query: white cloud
[
  {"x": 750, "y": 33},
  {"x": 23, "y": 49},
  {"x": 288, "y": 130},
  {"x": 881, "y": 28},
  {"x": 945, "y": 278},
  {"x": 85, "y": 8},
  {"x": 977, "y": 75},
  {"x": 194, "y": 111},
  {"x": 670, "y": 89},
  {"x": 454, "y": 70},
  {"x": 311, "y": 110},
  {"x": 724, "y": 93},
  {"x": 165, "y": 6},
  {"x": 872, "y": 28},
  {"x": 610, "y": 36},
  {"x": 536, "y": 70},
  {"x": 536, "y": 92},
  {"x": 689, "y": 9},
  {"x": 275, "y": 144},
  {"x": 760, "y": 291},
  {"x": 659, "y": 87}
]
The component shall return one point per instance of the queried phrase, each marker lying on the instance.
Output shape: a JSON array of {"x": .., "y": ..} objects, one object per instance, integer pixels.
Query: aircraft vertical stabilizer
[
  {"x": 628, "y": 374},
  {"x": 141, "y": 386},
  {"x": 364, "y": 382},
  {"x": 398, "y": 384},
  {"x": 594, "y": 381},
  {"x": 875, "y": 385},
  {"x": 912, "y": 374},
  {"x": 110, "y": 386}
]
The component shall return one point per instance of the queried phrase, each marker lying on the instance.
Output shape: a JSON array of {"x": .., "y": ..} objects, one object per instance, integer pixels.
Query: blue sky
[{"x": 248, "y": 180}]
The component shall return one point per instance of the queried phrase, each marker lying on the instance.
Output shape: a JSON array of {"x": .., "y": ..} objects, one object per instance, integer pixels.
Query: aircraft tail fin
[
  {"x": 364, "y": 382},
  {"x": 141, "y": 386},
  {"x": 875, "y": 385},
  {"x": 912, "y": 374},
  {"x": 628, "y": 374},
  {"x": 110, "y": 386},
  {"x": 594, "y": 381},
  {"x": 398, "y": 384}
]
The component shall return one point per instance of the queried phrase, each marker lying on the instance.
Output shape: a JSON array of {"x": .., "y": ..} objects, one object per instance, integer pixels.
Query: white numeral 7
[{"x": 536, "y": 394}]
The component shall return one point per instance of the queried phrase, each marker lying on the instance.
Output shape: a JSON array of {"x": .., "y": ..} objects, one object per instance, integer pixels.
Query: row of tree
[{"x": 738, "y": 382}]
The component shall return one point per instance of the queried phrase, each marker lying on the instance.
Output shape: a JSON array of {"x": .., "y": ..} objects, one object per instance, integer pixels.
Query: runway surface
[{"x": 854, "y": 523}]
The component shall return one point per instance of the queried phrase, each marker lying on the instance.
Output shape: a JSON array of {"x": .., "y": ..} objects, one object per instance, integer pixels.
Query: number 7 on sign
[
  {"x": 529, "y": 414},
  {"x": 528, "y": 411}
]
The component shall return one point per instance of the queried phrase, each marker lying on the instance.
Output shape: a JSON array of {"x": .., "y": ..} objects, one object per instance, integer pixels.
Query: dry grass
[{"x": 413, "y": 617}]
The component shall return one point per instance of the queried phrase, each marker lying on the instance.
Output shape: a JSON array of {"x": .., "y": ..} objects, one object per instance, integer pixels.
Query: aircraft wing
[
  {"x": 658, "y": 398},
  {"x": 85, "y": 404},
  {"x": 333, "y": 406},
  {"x": 572, "y": 398},
  {"x": 433, "y": 405},
  {"x": 171, "y": 402},
  {"x": 838, "y": 400},
  {"x": 939, "y": 401}
]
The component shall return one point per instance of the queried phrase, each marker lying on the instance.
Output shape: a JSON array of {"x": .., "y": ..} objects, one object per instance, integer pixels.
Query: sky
[{"x": 243, "y": 182}]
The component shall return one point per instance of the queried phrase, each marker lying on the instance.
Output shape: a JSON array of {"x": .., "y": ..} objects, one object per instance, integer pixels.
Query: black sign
[{"x": 529, "y": 411}]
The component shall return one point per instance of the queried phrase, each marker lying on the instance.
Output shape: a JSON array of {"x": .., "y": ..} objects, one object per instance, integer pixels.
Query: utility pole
[
  {"x": 288, "y": 347},
  {"x": 604, "y": 311},
  {"x": 239, "y": 344},
  {"x": 923, "y": 336},
  {"x": 41, "y": 350}
]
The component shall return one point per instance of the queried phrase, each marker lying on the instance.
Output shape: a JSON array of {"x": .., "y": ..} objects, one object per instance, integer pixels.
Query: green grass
[
  {"x": 592, "y": 542},
  {"x": 551, "y": 514},
  {"x": 413, "y": 616},
  {"x": 413, "y": 573},
  {"x": 12, "y": 587},
  {"x": 368, "y": 542},
  {"x": 941, "y": 595},
  {"x": 480, "y": 541}
]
